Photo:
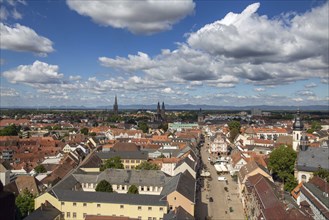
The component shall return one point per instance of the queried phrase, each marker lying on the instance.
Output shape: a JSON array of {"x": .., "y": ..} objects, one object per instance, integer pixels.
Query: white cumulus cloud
[
  {"x": 38, "y": 72},
  {"x": 242, "y": 46},
  {"x": 22, "y": 38},
  {"x": 141, "y": 17}
]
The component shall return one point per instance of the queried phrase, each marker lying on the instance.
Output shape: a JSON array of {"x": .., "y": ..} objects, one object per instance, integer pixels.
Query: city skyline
[{"x": 224, "y": 53}]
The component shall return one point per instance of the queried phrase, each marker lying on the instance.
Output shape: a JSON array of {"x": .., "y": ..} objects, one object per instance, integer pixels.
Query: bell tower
[{"x": 298, "y": 128}]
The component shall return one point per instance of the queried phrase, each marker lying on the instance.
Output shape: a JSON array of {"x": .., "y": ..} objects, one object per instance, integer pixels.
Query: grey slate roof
[
  {"x": 317, "y": 193},
  {"x": 188, "y": 161},
  {"x": 126, "y": 177},
  {"x": 104, "y": 197},
  {"x": 92, "y": 162},
  {"x": 137, "y": 155},
  {"x": 45, "y": 213},
  {"x": 183, "y": 183},
  {"x": 178, "y": 214},
  {"x": 313, "y": 158}
]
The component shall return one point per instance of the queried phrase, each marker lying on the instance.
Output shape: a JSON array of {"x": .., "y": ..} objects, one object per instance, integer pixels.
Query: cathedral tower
[
  {"x": 163, "y": 111},
  {"x": 115, "y": 106}
]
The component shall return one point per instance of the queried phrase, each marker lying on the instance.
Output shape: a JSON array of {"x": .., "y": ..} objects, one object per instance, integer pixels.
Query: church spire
[
  {"x": 115, "y": 106},
  {"x": 163, "y": 111}
]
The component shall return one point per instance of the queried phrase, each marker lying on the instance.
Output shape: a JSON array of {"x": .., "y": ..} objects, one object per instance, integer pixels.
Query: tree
[
  {"x": 133, "y": 190},
  {"x": 40, "y": 169},
  {"x": 84, "y": 131},
  {"x": 234, "y": 124},
  {"x": 104, "y": 186},
  {"x": 11, "y": 130},
  {"x": 316, "y": 126},
  {"x": 114, "y": 162},
  {"x": 233, "y": 133},
  {"x": 25, "y": 202},
  {"x": 322, "y": 173},
  {"x": 145, "y": 165},
  {"x": 234, "y": 127},
  {"x": 163, "y": 126},
  {"x": 290, "y": 183},
  {"x": 143, "y": 126},
  {"x": 282, "y": 161}
]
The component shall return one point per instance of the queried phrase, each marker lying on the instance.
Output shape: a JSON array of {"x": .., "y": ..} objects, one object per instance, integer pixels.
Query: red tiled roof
[{"x": 6, "y": 122}]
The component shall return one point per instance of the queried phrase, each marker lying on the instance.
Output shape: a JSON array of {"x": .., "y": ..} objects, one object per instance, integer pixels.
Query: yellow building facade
[{"x": 77, "y": 210}]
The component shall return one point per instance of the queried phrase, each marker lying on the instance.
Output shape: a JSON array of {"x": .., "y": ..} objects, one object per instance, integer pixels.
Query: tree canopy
[
  {"x": 84, "y": 131},
  {"x": 281, "y": 163},
  {"x": 40, "y": 169},
  {"x": 11, "y": 130},
  {"x": 114, "y": 162},
  {"x": 234, "y": 127},
  {"x": 143, "y": 126},
  {"x": 104, "y": 186},
  {"x": 322, "y": 173},
  {"x": 147, "y": 166},
  {"x": 25, "y": 202},
  {"x": 133, "y": 190}
]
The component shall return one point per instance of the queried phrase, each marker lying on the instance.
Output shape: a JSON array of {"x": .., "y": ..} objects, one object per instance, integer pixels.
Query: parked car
[{"x": 222, "y": 178}]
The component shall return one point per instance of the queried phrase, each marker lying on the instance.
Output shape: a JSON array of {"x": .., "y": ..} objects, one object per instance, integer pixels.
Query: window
[
  {"x": 161, "y": 209},
  {"x": 63, "y": 214},
  {"x": 74, "y": 214},
  {"x": 63, "y": 203},
  {"x": 154, "y": 218},
  {"x": 149, "y": 218},
  {"x": 304, "y": 178},
  {"x": 148, "y": 189},
  {"x": 132, "y": 161},
  {"x": 137, "y": 161},
  {"x": 139, "y": 208},
  {"x": 84, "y": 204},
  {"x": 118, "y": 187},
  {"x": 121, "y": 206},
  {"x": 139, "y": 217},
  {"x": 142, "y": 188},
  {"x": 127, "y": 161},
  {"x": 98, "y": 205},
  {"x": 68, "y": 215},
  {"x": 84, "y": 215},
  {"x": 149, "y": 208},
  {"x": 74, "y": 204},
  {"x": 122, "y": 187}
]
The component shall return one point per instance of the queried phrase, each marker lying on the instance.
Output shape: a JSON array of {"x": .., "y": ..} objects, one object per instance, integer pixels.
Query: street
[{"x": 218, "y": 199}]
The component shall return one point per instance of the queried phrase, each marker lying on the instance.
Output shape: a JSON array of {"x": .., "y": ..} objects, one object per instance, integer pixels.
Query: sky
[{"x": 217, "y": 52}]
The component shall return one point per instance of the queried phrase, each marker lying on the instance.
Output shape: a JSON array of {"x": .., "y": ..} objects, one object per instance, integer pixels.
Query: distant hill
[{"x": 185, "y": 107}]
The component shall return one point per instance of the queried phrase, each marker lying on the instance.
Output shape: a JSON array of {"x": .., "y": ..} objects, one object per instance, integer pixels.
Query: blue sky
[{"x": 226, "y": 52}]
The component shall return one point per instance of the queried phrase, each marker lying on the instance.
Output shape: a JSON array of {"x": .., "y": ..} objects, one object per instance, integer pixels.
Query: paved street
[{"x": 219, "y": 208}]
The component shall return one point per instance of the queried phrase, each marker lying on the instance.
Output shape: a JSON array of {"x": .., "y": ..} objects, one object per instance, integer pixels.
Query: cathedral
[{"x": 160, "y": 114}]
